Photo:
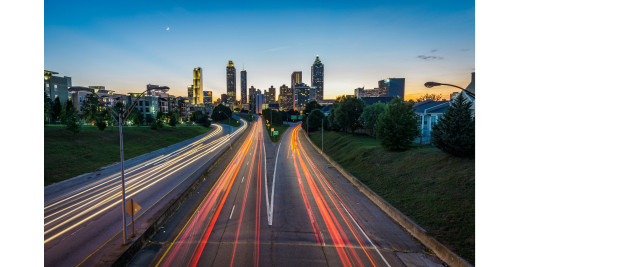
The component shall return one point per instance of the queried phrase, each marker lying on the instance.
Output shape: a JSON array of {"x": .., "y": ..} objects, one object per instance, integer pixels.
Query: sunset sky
[{"x": 125, "y": 46}]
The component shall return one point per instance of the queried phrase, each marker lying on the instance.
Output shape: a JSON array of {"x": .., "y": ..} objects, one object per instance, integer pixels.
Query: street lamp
[
  {"x": 432, "y": 84},
  {"x": 122, "y": 115},
  {"x": 220, "y": 111},
  {"x": 322, "y": 126}
]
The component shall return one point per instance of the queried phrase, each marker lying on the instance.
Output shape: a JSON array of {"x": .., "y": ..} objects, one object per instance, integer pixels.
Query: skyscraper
[
  {"x": 243, "y": 87},
  {"x": 190, "y": 94},
  {"x": 197, "y": 86},
  {"x": 296, "y": 77},
  {"x": 317, "y": 78},
  {"x": 301, "y": 95},
  {"x": 231, "y": 83},
  {"x": 270, "y": 97},
  {"x": 395, "y": 87},
  {"x": 286, "y": 97}
]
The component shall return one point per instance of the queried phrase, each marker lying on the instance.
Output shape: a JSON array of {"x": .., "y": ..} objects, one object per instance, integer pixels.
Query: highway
[
  {"x": 282, "y": 204},
  {"x": 83, "y": 217}
]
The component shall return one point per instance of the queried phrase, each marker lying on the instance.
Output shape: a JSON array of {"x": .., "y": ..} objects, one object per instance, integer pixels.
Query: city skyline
[{"x": 360, "y": 43}]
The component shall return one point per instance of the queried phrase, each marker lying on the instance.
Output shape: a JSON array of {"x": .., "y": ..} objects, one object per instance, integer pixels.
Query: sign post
[{"x": 132, "y": 209}]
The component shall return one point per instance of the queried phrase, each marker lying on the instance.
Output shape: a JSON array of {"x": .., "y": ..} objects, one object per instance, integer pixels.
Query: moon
[{"x": 168, "y": 28}]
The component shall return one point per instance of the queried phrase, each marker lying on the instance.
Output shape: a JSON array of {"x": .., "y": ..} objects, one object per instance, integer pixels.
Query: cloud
[
  {"x": 434, "y": 50},
  {"x": 430, "y": 58}
]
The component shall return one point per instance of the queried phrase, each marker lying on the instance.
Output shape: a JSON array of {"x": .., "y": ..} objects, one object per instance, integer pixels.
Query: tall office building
[
  {"x": 190, "y": 94},
  {"x": 286, "y": 97},
  {"x": 395, "y": 87},
  {"x": 231, "y": 83},
  {"x": 197, "y": 86},
  {"x": 243, "y": 87},
  {"x": 270, "y": 97},
  {"x": 317, "y": 78},
  {"x": 296, "y": 77},
  {"x": 301, "y": 96}
]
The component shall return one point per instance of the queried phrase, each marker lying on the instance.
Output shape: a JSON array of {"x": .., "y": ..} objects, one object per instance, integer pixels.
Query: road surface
[
  {"x": 282, "y": 205},
  {"x": 83, "y": 217}
]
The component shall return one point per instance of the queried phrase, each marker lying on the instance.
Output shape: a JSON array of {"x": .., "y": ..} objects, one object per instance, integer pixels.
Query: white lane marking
[
  {"x": 234, "y": 207},
  {"x": 273, "y": 186},
  {"x": 266, "y": 185},
  {"x": 242, "y": 179}
]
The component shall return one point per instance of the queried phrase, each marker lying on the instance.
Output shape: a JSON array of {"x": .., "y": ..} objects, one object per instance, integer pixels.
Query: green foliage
[
  {"x": 370, "y": 115},
  {"x": 272, "y": 116},
  {"x": 397, "y": 126},
  {"x": 455, "y": 132},
  {"x": 173, "y": 118},
  {"x": 221, "y": 112},
  {"x": 48, "y": 108},
  {"x": 90, "y": 107},
  {"x": 346, "y": 113},
  {"x": 57, "y": 109},
  {"x": 314, "y": 120},
  {"x": 73, "y": 123},
  {"x": 148, "y": 118},
  {"x": 136, "y": 117},
  {"x": 310, "y": 107}
]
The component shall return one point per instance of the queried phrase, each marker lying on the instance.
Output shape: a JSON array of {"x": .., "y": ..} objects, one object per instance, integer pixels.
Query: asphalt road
[
  {"x": 281, "y": 205},
  {"x": 83, "y": 216}
]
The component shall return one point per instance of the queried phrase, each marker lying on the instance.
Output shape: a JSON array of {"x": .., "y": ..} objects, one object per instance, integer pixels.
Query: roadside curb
[
  {"x": 163, "y": 216},
  {"x": 407, "y": 224}
]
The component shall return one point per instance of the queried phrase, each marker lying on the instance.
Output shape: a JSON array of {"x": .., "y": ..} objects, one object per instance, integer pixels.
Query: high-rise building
[
  {"x": 296, "y": 77},
  {"x": 301, "y": 96},
  {"x": 243, "y": 86},
  {"x": 395, "y": 87},
  {"x": 259, "y": 102},
  {"x": 208, "y": 97},
  {"x": 317, "y": 78},
  {"x": 231, "y": 83},
  {"x": 270, "y": 97},
  {"x": 286, "y": 97},
  {"x": 197, "y": 86},
  {"x": 383, "y": 88},
  {"x": 190, "y": 94}
]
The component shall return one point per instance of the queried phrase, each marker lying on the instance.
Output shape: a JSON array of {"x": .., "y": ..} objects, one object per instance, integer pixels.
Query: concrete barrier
[
  {"x": 143, "y": 239},
  {"x": 411, "y": 227}
]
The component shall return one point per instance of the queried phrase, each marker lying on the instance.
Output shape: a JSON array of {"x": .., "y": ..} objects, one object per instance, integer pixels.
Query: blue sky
[{"x": 124, "y": 46}]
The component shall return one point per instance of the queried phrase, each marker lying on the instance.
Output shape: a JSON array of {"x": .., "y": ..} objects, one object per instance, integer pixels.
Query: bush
[
  {"x": 397, "y": 126},
  {"x": 73, "y": 122}
]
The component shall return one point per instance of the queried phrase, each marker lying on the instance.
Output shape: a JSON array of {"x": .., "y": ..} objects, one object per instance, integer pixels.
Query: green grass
[
  {"x": 434, "y": 189},
  {"x": 234, "y": 122},
  {"x": 67, "y": 155},
  {"x": 279, "y": 128}
]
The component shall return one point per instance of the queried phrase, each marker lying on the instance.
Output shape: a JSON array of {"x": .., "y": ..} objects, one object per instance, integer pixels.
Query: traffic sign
[
  {"x": 275, "y": 133},
  {"x": 132, "y": 207}
]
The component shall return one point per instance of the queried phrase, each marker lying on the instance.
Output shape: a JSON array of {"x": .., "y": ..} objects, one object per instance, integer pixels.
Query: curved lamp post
[{"x": 433, "y": 84}]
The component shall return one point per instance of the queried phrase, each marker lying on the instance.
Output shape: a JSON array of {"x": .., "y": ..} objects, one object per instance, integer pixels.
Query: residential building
[
  {"x": 56, "y": 86},
  {"x": 317, "y": 78},
  {"x": 243, "y": 86},
  {"x": 146, "y": 104},
  {"x": 190, "y": 94},
  {"x": 429, "y": 112},
  {"x": 78, "y": 95},
  {"x": 231, "y": 83},
  {"x": 361, "y": 92}
]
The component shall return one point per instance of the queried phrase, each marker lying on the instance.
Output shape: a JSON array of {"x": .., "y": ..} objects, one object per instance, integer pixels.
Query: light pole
[
  {"x": 432, "y": 84},
  {"x": 322, "y": 126},
  {"x": 219, "y": 111},
  {"x": 122, "y": 115}
]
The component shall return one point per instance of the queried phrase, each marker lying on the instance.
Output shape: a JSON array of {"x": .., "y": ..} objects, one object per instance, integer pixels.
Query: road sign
[
  {"x": 275, "y": 133},
  {"x": 132, "y": 207}
]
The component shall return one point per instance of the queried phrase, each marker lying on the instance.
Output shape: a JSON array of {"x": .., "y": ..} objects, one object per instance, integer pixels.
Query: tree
[
  {"x": 433, "y": 97},
  {"x": 455, "y": 132},
  {"x": 347, "y": 113},
  {"x": 48, "y": 108},
  {"x": 397, "y": 126},
  {"x": 73, "y": 123},
  {"x": 370, "y": 116},
  {"x": 90, "y": 107},
  {"x": 148, "y": 118},
  {"x": 315, "y": 120},
  {"x": 221, "y": 112},
  {"x": 57, "y": 109},
  {"x": 136, "y": 117},
  {"x": 272, "y": 116},
  {"x": 173, "y": 118},
  {"x": 310, "y": 107}
]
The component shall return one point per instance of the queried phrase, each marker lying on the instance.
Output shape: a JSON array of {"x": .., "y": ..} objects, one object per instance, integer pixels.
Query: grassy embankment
[
  {"x": 435, "y": 190},
  {"x": 67, "y": 155},
  {"x": 280, "y": 128}
]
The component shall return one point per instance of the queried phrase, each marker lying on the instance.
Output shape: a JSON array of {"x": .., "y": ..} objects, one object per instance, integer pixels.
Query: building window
[
  {"x": 147, "y": 109},
  {"x": 434, "y": 120},
  {"x": 55, "y": 87}
]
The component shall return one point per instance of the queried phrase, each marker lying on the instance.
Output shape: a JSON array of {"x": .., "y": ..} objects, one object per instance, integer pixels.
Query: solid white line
[
  {"x": 234, "y": 207},
  {"x": 242, "y": 179},
  {"x": 266, "y": 186},
  {"x": 273, "y": 186}
]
